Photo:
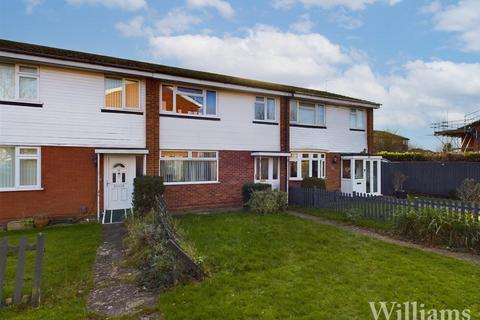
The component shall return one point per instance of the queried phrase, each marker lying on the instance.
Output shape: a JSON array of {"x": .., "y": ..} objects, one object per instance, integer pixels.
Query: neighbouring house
[
  {"x": 467, "y": 131},
  {"x": 77, "y": 128},
  {"x": 389, "y": 141}
]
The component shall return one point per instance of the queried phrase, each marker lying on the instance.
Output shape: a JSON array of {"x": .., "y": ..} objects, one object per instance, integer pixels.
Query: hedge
[
  {"x": 417, "y": 156},
  {"x": 313, "y": 182},
  {"x": 248, "y": 188},
  {"x": 145, "y": 189}
]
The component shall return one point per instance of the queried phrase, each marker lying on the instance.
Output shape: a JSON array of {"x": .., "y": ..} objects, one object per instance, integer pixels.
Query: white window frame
[
  {"x": 204, "y": 95},
  {"x": 124, "y": 94},
  {"x": 18, "y": 157},
  {"x": 359, "y": 125},
  {"x": 265, "y": 106},
  {"x": 16, "y": 84},
  {"x": 322, "y": 166},
  {"x": 190, "y": 157},
  {"x": 296, "y": 107}
]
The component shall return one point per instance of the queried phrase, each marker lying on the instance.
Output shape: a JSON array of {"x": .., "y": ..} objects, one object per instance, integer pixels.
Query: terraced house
[{"x": 77, "y": 128}]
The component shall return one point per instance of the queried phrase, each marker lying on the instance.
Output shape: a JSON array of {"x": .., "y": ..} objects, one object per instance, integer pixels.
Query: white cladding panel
[
  {"x": 234, "y": 131},
  {"x": 71, "y": 114},
  {"x": 337, "y": 137}
]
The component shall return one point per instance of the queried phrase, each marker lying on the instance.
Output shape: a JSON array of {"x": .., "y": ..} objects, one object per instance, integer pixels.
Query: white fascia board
[
  {"x": 161, "y": 76},
  {"x": 121, "y": 151},
  {"x": 270, "y": 154},
  {"x": 336, "y": 101}
]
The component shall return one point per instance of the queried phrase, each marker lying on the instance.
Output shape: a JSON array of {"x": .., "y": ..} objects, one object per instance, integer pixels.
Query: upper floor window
[
  {"x": 188, "y": 100},
  {"x": 265, "y": 109},
  {"x": 307, "y": 113},
  {"x": 357, "y": 119},
  {"x": 18, "y": 82},
  {"x": 19, "y": 168},
  {"x": 122, "y": 93}
]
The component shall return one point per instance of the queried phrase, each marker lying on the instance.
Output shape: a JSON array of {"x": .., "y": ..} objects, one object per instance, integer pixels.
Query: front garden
[{"x": 278, "y": 266}]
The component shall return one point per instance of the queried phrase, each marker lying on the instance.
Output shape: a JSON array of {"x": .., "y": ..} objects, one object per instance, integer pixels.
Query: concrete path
[
  {"x": 372, "y": 234},
  {"x": 115, "y": 292}
]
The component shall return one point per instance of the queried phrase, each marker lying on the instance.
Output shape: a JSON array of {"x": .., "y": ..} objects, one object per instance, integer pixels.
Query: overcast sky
[{"x": 420, "y": 59}]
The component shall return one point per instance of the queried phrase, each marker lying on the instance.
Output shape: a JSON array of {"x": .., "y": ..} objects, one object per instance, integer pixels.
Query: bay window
[
  {"x": 265, "y": 109},
  {"x": 303, "y": 165},
  {"x": 122, "y": 94},
  {"x": 182, "y": 166},
  {"x": 18, "y": 82},
  {"x": 307, "y": 113},
  {"x": 188, "y": 101},
  {"x": 357, "y": 119},
  {"x": 19, "y": 168}
]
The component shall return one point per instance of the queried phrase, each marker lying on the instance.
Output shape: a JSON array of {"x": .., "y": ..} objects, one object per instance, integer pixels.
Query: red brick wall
[
  {"x": 69, "y": 180},
  {"x": 152, "y": 126},
  {"x": 370, "y": 142},
  {"x": 235, "y": 169}
]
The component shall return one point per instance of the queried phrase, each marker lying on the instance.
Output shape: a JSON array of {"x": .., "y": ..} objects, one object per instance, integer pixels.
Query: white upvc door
[
  {"x": 359, "y": 181},
  {"x": 120, "y": 171},
  {"x": 267, "y": 170},
  {"x": 361, "y": 175}
]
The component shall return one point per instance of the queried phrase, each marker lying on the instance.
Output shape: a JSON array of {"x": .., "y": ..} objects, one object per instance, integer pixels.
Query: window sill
[
  {"x": 21, "y": 189},
  {"x": 295, "y": 179},
  {"x": 189, "y": 183},
  {"x": 187, "y": 116},
  {"x": 265, "y": 122},
  {"x": 360, "y": 130},
  {"x": 121, "y": 111},
  {"x": 307, "y": 126},
  {"x": 21, "y": 103}
]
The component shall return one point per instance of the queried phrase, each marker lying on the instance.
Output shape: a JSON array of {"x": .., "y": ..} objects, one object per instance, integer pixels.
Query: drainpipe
[{"x": 98, "y": 187}]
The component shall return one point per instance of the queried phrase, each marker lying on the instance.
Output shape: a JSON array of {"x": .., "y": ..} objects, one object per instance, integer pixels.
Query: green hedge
[
  {"x": 248, "y": 188},
  {"x": 313, "y": 182},
  {"x": 145, "y": 189},
  {"x": 268, "y": 201},
  {"x": 417, "y": 156}
]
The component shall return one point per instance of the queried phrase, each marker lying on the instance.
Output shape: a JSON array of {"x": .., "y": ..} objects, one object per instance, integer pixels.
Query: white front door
[
  {"x": 267, "y": 170},
  {"x": 358, "y": 175},
  {"x": 361, "y": 175},
  {"x": 120, "y": 171}
]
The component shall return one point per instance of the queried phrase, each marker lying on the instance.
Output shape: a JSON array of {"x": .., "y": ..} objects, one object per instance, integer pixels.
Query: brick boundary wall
[{"x": 69, "y": 182}]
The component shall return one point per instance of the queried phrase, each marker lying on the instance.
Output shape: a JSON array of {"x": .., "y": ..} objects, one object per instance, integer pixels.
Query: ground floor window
[
  {"x": 19, "y": 168},
  {"x": 184, "y": 166},
  {"x": 303, "y": 165}
]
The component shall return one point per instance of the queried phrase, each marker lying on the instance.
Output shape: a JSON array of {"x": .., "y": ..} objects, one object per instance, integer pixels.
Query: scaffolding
[{"x": 464, "y": 130}]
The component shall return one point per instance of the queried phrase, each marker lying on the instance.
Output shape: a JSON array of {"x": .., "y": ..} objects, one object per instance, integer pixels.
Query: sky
[{"x": 420, "y": 59}]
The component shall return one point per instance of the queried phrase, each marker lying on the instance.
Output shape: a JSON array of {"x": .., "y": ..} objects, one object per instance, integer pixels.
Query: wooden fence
[
  {"x": 20, "y": 252},
  {"x": 375, "y": 207},
  {"x": 434, "y": 178}
]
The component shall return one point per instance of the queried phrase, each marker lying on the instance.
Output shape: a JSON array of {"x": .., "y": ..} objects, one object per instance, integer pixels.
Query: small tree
[{"x": 469, "y": 191}]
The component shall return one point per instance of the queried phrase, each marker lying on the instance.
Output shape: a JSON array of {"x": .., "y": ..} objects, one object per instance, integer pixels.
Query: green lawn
[
  {"x": 70, "y": 253},
  {"x": 283, "y": 267}
]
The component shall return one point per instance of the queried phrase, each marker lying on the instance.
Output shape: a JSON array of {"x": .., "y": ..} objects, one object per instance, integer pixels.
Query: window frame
[
  {"x": 357, "y": 111},
  {"x": 321, "y": 158},
  {"x": 190, "y": 158},
  {"x": 174, "y": 102},
  {"x": 124, "y": 94},
  {"x": 296, "y": 106},
  {"x": 265, "y": 109},
  {"x": 18, "y": 158},
  {"x": 16, "y": 81}
]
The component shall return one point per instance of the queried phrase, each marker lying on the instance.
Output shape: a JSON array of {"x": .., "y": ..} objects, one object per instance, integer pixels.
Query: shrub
[
  {"x": 248, "y": 188},
  {"x": 147, "y": 251},
  {"x": 313, "y": 182},
  {"x": 145, "y": 190},
  {"x": 398, "y": 180},
  {"x": 268, "y": 201},
  {"x": 469, "y": 191},
  {"x": 418, "y": 156},
  {"x": 437, "y": 226}
]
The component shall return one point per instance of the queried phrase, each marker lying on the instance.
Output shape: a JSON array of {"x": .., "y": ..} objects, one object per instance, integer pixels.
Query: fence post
[
  {"x": 37, "y": 277},
  {"x": 3, "y": 265},
  {"x": 17, "y": 298}
]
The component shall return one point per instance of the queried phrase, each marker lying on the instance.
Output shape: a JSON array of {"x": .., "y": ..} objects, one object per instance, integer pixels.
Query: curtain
[
  {"x": 188, "y": 170},
  {"x": 27, "y": 88},
  {"x": 28, "y": 172},
  {"x": 7, "y": 167},
  {"x": 7, "y": 81}
]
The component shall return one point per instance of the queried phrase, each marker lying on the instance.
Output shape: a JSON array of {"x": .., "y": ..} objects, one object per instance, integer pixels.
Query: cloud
[
  {"x": 345, "y": 20},
  {"x": 30, "y": 5},
  {"x": 133, "y": 28},
  {"x": 223, "y": 7},
  {"x": 177, "y": 20},
  {"x": 462, "y": 19},
  {"x": 129, "y": 5},
  {"x": 303, "y": 24},
  {"x": 328, "y": 4}
]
